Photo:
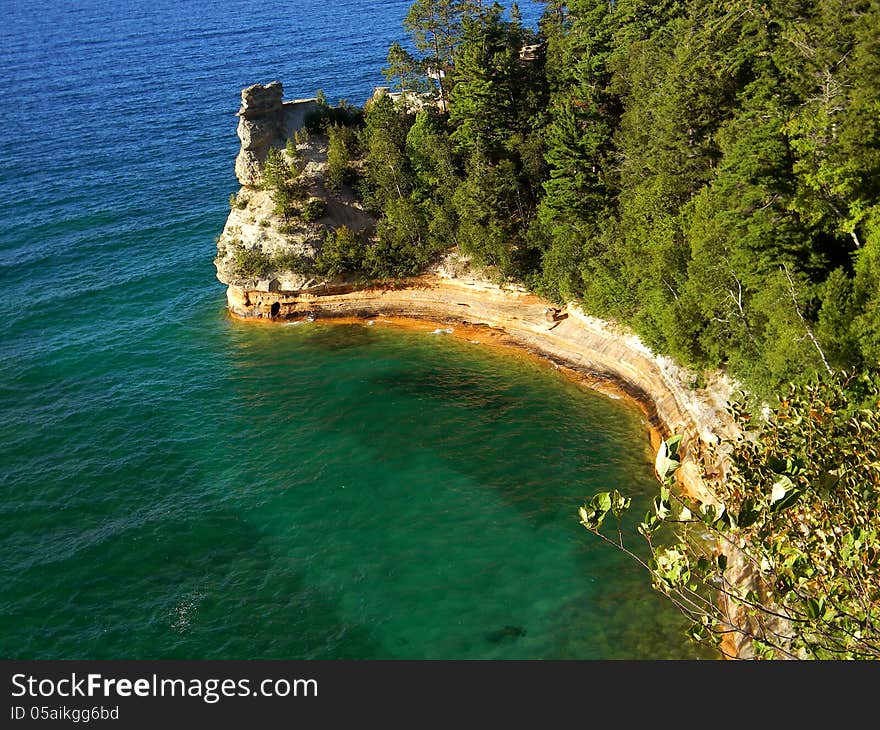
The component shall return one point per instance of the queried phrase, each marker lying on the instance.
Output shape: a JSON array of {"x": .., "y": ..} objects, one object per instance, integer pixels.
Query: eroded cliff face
[
  {"x": 256, "y": 249},
  {"x": 265, "y": 120},
  {"x": 452, "y": 293}
]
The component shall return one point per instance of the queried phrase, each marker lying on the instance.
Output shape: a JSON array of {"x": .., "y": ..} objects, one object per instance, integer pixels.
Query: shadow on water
[
  {"x": 204, "y": 587},
  {"x": 546, "y": 442},
  {"x": 439, "y": 483},
  {"x": 446, "y": 388}
]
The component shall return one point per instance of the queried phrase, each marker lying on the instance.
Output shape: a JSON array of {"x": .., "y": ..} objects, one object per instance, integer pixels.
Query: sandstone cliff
[
  {"x": 264, "y": 121},
  {"x": 610, "y": 358},
  {"x": 258, "y": 249},
  {"x": 448, "y": 293}
]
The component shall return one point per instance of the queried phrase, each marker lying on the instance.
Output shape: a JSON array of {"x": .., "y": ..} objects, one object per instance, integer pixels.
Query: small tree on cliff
[
  {"x": 281, "y": 177},
  {"x": 342, "y": 253},
  {"x": 792, "y": 569},
  {"x": 340, "y": 150},
  {"x": 407, "y": 71}
]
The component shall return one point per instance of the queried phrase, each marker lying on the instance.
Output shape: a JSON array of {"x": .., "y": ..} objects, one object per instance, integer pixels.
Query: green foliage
[
  {"x": 835, "y": 131},
  {"x": 289, "y": 227},
  {"x": 278, "y": 169},
  {"x": 254, "y": 263},
  {"x": 430, "y": 154},
  {"x": 435, "y": 178},
  {"x": 489, "y": 215},
  {"x": 341, "y": 149},
  {"x": 237, "y": 202},
  {"x": 314, "y": 209},
  {"x": 405, "y": 72},
  {"x": 695, "y": 150},
  {"x": 287, "y": 261},
  {"x": 326, "y": 116},
  {"x": 343, "y": 252},
  {"x": 493, "y": 96},
  {"x": 387, "y": 174},
  {"x": 799, "y": 510},
  {"x": 408, "y": 179},
  {"x": 399, "y": 249},
  {"x": 300, "y": 136},
  {"x": 434, "y": 26},
  {"x": 706, "y": 173},
  {"x": 281, "y": 177},
  {"x": 865, "y": 325}
]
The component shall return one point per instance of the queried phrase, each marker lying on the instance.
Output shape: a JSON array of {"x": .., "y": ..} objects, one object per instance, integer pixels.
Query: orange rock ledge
[{"x": 590, "y": 350}]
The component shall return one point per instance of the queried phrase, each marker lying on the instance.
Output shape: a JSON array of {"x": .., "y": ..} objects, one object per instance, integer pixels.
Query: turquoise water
[{"x": 174, "y": 484}]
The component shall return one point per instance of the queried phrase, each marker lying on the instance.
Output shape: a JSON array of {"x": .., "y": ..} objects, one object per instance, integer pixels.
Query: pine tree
[
  {"x": 387, "y": 175},
  {"x": 403, "y": 67},
  {"x": 434, "y": 27}
]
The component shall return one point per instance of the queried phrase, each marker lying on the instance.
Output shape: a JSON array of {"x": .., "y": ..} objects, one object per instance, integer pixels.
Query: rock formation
[
  {"x": 257, "y": 245},
  {"x": 260, "y": 125},
  {"x": 265, "y": 120}
]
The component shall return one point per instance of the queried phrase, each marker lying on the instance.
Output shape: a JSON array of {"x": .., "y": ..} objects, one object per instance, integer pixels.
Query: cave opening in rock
[{"x": 276, "y": 308}]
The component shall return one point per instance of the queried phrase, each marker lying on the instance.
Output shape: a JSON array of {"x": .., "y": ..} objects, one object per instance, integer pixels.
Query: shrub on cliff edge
[
  {"x": 799, "y": 511},
  {"x": 282, "y": 179},
  {"x": 343, "y": 252}
]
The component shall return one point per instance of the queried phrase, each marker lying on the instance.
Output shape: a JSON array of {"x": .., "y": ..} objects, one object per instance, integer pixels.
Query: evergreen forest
[{"x": 706, "y": 173}]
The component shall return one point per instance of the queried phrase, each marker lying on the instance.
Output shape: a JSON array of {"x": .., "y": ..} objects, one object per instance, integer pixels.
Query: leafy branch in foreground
[{"x": 786, "y": 563}]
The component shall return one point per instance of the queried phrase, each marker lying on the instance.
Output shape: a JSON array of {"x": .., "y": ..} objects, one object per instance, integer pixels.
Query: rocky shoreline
[
  {"x": 451, "y": 292},
  {"x": 591, "y": 350},
  {"x": 451, "y": 295}
]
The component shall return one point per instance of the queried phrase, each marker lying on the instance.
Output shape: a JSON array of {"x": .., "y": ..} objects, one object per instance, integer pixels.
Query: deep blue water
[{"x": 175, "y": 484}]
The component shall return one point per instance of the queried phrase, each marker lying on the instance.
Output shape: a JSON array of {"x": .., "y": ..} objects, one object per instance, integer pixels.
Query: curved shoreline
[{"x": 586, "y": 348}]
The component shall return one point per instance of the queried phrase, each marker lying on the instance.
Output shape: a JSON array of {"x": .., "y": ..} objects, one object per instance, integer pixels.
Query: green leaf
[
  {"x": 592, "y": 515},
  {"x": 748, "y": 513},
  {"x": 665, "y": 463},
  {"x": 619, "y": 503},
  {"x": 698, "y": 632},
  {"x": 666, "y": 466},
  {"x": 662, "y": 508},
  {"x": 787, "y": 501},
  {"x": 649, "y": 525},
  {"x": 602, "y": 501},
  {"x": 722, "y": 562},
  {"x": 672, "y": 445},
  {"x": 780, "y": 489},
  {"x": 590, "y": 518}
]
